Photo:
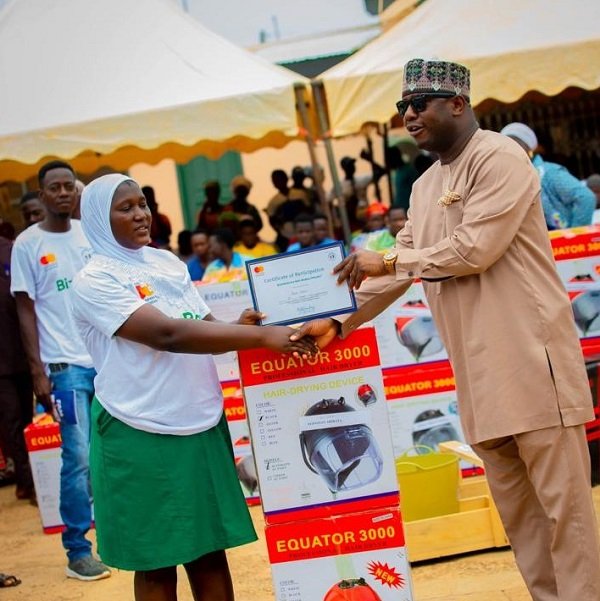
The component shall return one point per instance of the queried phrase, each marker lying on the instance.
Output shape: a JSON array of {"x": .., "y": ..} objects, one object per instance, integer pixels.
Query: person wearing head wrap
[
  {"x": 376, "y": 214},
  {"x": 567, "y": 202},
  {"x": 164, "y": 482},
  {"x": 385, "y": 239},
  {"x": 477, "y": 239}
]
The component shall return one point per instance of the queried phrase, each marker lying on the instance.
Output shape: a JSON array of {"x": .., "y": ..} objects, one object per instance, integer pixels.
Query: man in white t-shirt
[{"x": 45, "y": 259}]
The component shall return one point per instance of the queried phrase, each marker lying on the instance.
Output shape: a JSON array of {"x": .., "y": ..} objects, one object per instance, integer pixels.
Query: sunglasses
[{"x": 419, "y": 102}]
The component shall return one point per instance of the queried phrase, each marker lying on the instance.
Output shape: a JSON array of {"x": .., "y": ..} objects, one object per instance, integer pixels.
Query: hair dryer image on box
[
  {"x": 355, "y": 589},
  {"x": 432, "y": 427},
  {"x": 586, "y": 310},
  {"x": 346, "y": 457},
  {"x": 419, "y": 335},
  {"x": 366, "y": 394},
  {"x": 583, "y": 277}
]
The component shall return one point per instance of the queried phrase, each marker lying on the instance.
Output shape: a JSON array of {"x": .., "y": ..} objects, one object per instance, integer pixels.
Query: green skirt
[{"x": 163, "y": 500}]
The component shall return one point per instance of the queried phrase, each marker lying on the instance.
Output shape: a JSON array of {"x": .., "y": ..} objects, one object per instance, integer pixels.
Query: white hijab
[
  {"x": 96, "y": 200},
  {"x": 160, "y": 267}
]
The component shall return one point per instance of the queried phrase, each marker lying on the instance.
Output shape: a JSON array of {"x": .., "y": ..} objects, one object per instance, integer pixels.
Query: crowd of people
[
  {"x": 94, "y": 304},
  {"x": 228, "y": 234}
]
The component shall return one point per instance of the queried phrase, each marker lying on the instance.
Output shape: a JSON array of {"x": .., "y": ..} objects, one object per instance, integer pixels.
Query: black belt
[{"x": 54, "y": 367}]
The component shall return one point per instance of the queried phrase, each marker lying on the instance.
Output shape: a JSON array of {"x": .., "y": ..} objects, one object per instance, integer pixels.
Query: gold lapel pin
[{"x": 447, "y": 198}]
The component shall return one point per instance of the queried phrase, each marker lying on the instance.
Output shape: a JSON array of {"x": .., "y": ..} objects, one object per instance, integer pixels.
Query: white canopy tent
[
  {"x": 114, "y": 82},
  {"x": 511, "y": 47}
]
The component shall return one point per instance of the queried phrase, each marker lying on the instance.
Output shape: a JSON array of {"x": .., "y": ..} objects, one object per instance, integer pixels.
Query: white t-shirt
[
  {"x": 150, "y": 390},
  {"x": 43, "y": 265}
]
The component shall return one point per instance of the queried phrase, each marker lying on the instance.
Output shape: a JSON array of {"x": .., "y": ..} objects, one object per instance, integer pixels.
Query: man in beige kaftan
[{"x": 476, "y": 236}]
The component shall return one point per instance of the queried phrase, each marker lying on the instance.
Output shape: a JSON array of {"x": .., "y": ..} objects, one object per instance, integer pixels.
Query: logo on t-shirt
[
  {"x": 48, "y": 259},
  {"x": 190, "y": 315},
  {"x": 144, "y": 291}
]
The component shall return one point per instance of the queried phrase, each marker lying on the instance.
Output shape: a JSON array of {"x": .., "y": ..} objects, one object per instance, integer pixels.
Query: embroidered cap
[{"x": 432, "y": 76}]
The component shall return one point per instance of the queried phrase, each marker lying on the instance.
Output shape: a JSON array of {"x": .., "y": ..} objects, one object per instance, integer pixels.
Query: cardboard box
[
  {"x": 320, "y": 429},
  {"x": 406, "y": 332},
  {"x": 422, "y": 406},
  {"x": 593, "y": 428},
  {"x": 586, "y": 311},
  {"x": 358, "y": 556},
  {"x": 43, "y": 443},
  {"x": 577, "y": 255},
  {"x": 235, "y": 413}
]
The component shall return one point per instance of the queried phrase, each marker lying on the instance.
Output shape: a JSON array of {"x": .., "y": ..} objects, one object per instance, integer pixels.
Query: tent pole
[
  {"x": 319, "y": 96},
  {"x": 386, "y": 164},
  {"x": 299, "y": 90}
]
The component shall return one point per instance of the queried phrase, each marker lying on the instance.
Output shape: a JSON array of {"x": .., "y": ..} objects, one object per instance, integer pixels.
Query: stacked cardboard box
[
  {"x": 409, "y": 344},
  {"x": 235, "y": 413},
  {"x": 406, "y": 332},
  {"x": 325, "y": 464},
  {"x": 226, "y": 302},
  {"x": 423, "y": 407},
  {"x": 577, "y": 255}
]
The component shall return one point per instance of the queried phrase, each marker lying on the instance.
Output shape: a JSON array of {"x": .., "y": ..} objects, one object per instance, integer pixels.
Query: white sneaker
[{"x": 87, "y": 568}]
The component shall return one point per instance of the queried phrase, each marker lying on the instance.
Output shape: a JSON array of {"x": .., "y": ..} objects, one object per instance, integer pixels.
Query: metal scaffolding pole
[
  {"x": 319, "y": 96},
  {"x": 302, "y": 107}
]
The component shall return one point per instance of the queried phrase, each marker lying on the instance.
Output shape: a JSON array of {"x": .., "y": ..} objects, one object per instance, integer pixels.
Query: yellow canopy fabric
[
  {"x": 511, "y": 47},
  {"x": 396, "y": 11},
  {"x": 115, "y": 82}
]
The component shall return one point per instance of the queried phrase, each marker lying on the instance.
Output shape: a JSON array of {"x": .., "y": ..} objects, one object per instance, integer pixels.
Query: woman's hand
[
  {"x": 250, "y": 317},
  {"x": 278, "y": 338}
]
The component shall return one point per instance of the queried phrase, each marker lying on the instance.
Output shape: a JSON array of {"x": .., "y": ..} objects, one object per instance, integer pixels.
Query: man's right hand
[
  {"x": 323, "y": 331},
  {"x": 358, "y": 266}
]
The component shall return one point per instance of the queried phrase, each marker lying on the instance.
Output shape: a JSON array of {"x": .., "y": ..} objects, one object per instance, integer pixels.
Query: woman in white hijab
[{"x": 165, "y": 487}]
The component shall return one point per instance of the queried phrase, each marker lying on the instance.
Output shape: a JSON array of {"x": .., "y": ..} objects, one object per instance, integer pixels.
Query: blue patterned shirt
[{"x": 567, "y": 202}]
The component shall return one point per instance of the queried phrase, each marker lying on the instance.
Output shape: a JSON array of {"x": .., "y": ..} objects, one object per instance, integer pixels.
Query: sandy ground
[{"x": 38, "y": 559}]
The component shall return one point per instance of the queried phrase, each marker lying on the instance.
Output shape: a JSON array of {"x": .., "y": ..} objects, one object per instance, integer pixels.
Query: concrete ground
[{"x": 39, "y": 561}]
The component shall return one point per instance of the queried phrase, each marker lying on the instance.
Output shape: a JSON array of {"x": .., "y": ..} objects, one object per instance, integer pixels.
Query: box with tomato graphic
[{"x": 351, "y": 557}]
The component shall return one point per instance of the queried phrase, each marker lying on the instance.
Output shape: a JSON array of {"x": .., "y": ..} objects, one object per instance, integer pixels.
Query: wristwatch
[{"x": 389, "y": 260}]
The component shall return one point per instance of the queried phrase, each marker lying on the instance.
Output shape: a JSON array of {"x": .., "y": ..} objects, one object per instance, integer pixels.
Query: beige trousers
[{"x": 540, "y": 482}]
